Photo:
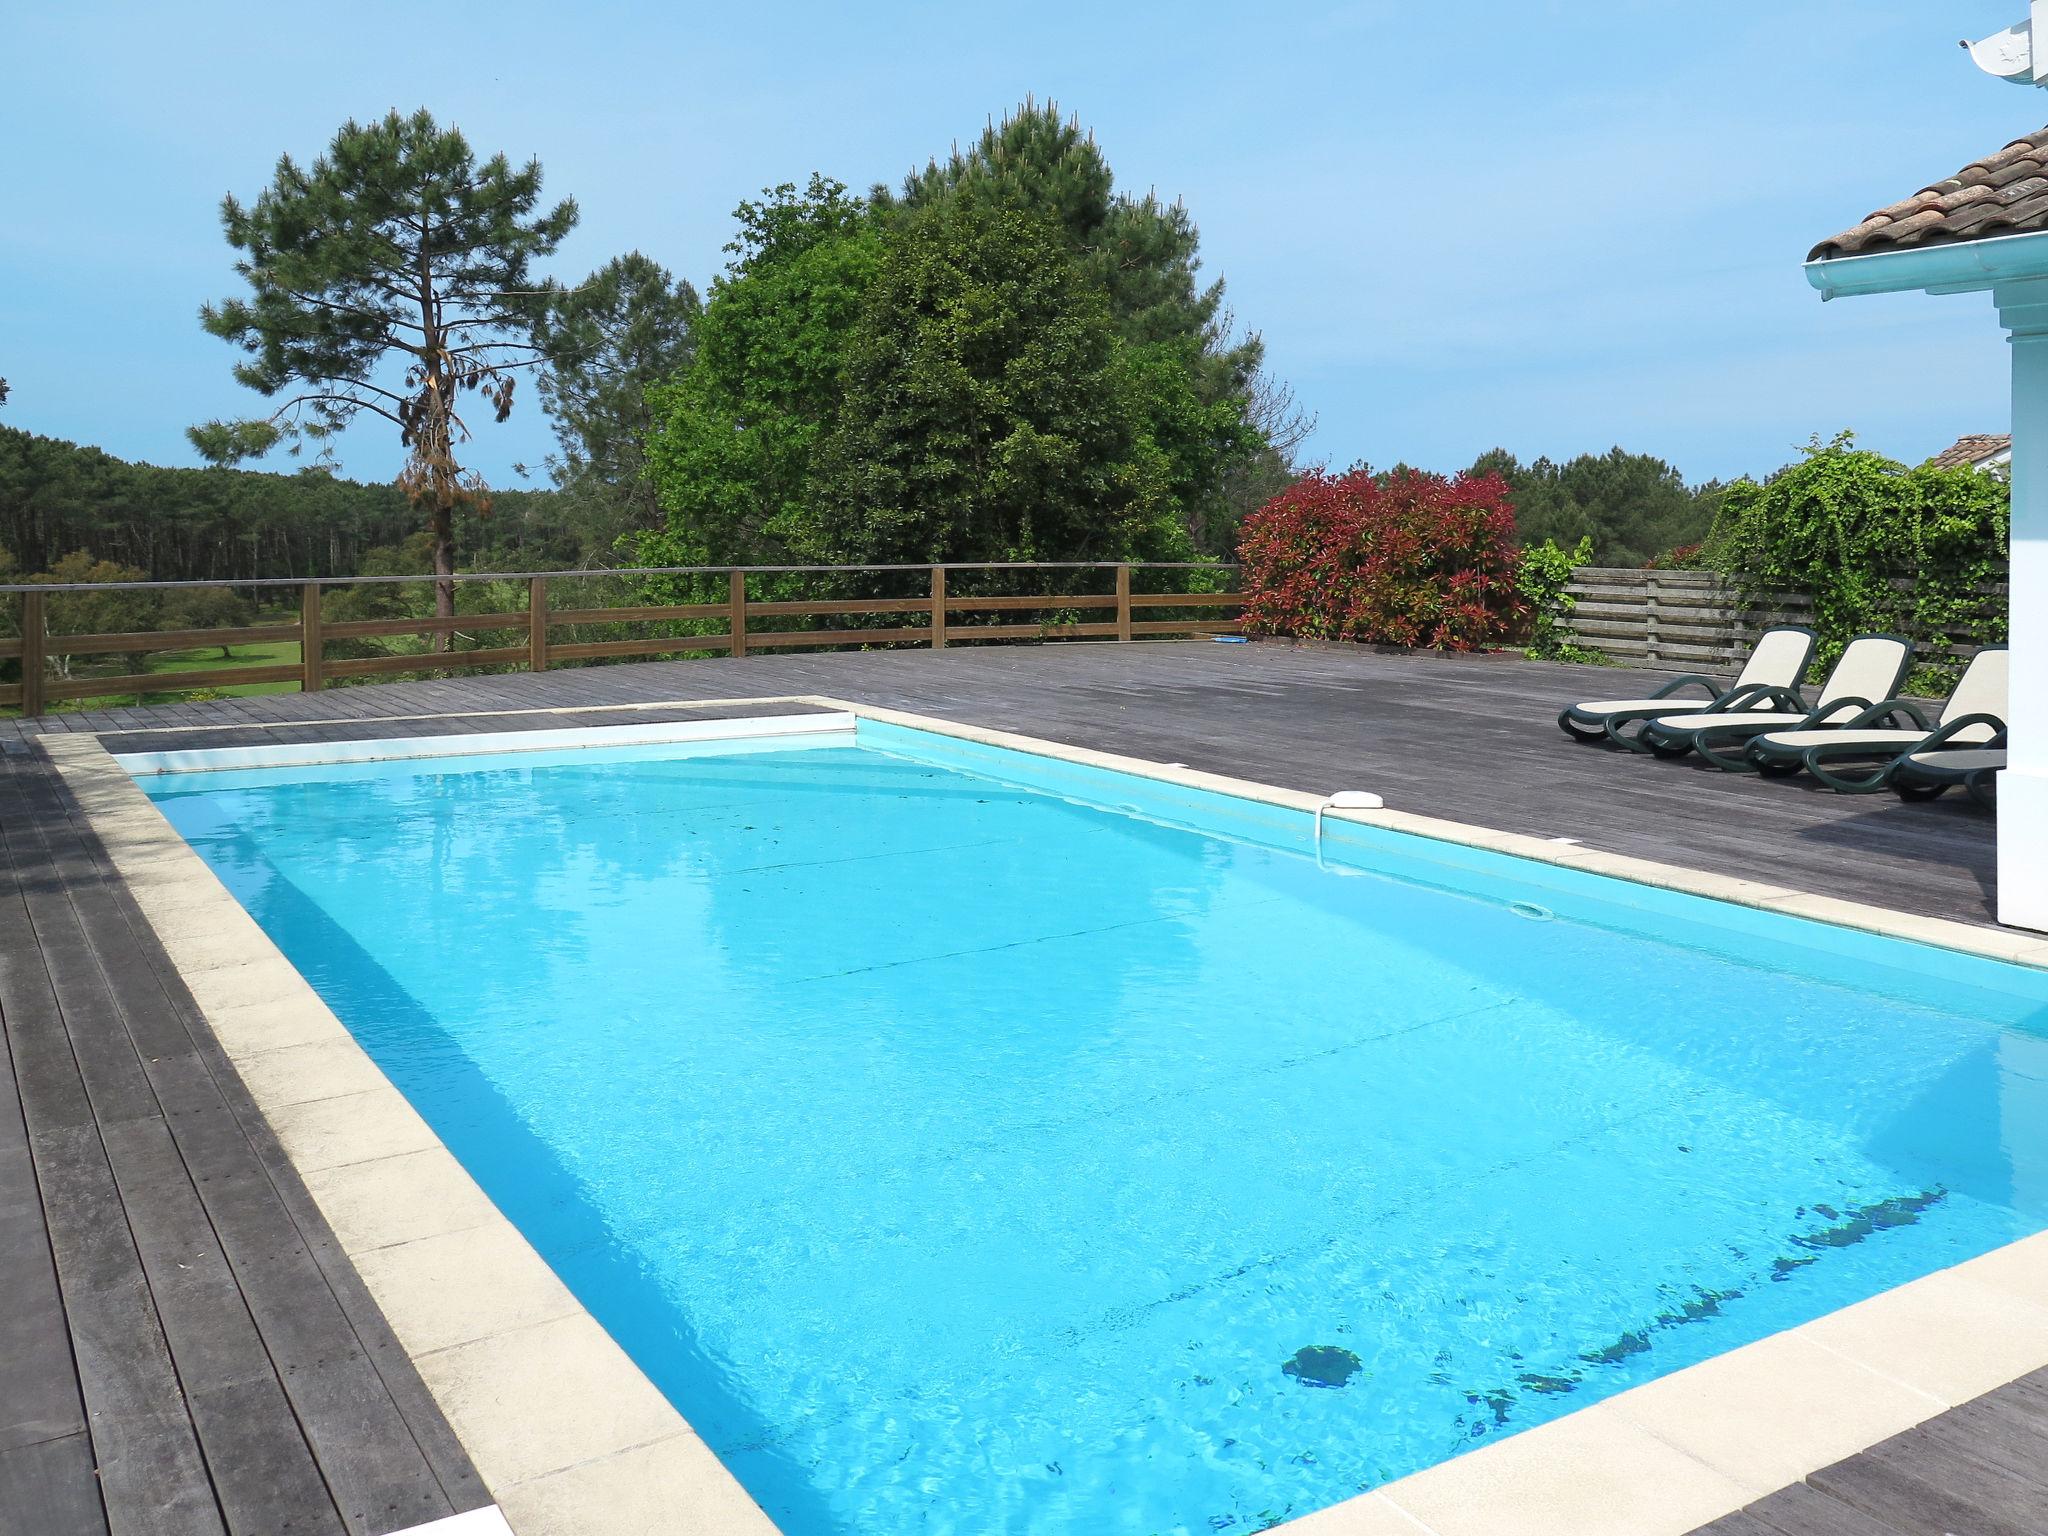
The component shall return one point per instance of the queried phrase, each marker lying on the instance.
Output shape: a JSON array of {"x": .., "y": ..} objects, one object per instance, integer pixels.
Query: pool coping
[{"x": 572, "y": 1438}]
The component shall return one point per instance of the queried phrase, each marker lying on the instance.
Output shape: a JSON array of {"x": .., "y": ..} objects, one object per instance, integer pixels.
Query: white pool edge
[
  {"x": 571, "y": 1437},
  {"x": 2012, "y": 945},
  {"x": 481, "y": 743}
]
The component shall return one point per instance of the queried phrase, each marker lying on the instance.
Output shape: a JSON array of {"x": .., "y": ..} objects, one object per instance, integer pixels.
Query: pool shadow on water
[
  {"x": 533, "y": 1188},
  {"x": 1983, "y": 1123}
]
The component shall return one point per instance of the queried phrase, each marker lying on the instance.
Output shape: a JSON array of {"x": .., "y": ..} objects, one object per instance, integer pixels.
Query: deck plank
[
  {"x": 150, "y": 1468},
  {"x": 49, "y": 1488},
  {"x": 1918, "y": 1483},
  {"x": 1803, "y": 1511},
  {"x": 39, "y": 1397}
]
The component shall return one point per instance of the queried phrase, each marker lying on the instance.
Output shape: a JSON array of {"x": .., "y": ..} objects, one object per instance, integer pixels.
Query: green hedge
[{"x": 1876, "y": 545}]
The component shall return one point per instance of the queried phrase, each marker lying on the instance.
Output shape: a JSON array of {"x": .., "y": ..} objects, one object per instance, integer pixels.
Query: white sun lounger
[
  {"x": 1870, "y": 669},
  {"x": 1924, "y": 775},
  {"x": 1769, "y": 680},
  {"x": 1891, "y": 729}
]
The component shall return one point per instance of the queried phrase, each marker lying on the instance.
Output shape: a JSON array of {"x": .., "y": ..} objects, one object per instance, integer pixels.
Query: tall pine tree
[
  {"x": 625, "y": 327},
  {"x": 391, "y": 276}
]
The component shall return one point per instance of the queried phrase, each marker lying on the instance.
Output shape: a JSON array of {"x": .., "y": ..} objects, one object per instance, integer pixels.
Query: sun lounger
[
  {"x": 1856, "y": 756},
  {"x": 1870, "y": 669},
  {"x": 1924, "y": 775},
  {"x": 1769, "y": 680}
]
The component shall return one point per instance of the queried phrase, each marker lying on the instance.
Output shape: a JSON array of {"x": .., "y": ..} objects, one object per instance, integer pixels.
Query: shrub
[
  {"x": 1405, "y": 558},
  {"x": 207, "y": 608},
  {"x": 96, "y": 613},
  {"x": 1545, "y": 572},
  {"x": 1878, "y": 546},
  {"x": 1686, "y": 557}
]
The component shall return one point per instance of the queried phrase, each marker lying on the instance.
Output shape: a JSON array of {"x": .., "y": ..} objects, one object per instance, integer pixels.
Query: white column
[{"x": 2023, "y": 787}]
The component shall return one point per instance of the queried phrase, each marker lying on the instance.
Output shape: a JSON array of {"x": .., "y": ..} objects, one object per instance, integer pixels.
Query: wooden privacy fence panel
[
  {"x": 536, "y": 649},
  {"x": 1693, "y": 619}
]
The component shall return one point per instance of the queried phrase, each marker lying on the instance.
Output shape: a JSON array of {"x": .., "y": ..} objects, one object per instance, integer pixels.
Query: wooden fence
[
  {"x": 730, "y": 625},
  {"x": 1686, "y": 619}
]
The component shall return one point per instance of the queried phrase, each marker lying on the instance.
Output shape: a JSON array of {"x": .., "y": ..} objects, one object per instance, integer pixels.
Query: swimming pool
[{"x": 966, "y": 1141}]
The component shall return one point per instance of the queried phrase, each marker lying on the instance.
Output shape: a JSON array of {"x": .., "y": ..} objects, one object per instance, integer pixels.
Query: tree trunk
[{"x": 443, "y": 525}]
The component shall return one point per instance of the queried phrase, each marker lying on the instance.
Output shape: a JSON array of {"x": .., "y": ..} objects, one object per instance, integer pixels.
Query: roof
[
  {"x": 2002, "y": 194},
  {"x": 1973, "y": 448}
]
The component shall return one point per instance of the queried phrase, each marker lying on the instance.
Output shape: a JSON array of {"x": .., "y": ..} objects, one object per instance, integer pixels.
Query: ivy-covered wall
[{"x": 1875, "y": 546}]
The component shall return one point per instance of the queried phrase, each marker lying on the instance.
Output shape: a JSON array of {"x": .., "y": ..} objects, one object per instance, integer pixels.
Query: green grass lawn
[
  {"x": 132, "y": 688},
  {"x": 278, "y": 653}
]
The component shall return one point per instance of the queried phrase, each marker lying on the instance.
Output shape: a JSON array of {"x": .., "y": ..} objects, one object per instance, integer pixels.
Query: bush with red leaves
[
  {"x": 1405, "y": 559},
  {"x": 1686, "y": 557}
]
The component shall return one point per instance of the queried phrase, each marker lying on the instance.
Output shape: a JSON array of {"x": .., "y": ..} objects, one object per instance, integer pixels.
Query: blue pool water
[{"x": 967, "y": 1142}]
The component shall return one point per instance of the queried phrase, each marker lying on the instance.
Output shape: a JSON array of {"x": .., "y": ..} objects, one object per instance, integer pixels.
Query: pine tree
[
  {"x": 1143, "y": 255},
  {"x": 625, "y": 327},
  {"x": 397, "y": 251}
]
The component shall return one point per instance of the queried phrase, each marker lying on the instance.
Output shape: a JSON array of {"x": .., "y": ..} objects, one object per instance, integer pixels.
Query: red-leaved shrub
[{"x": 1411, "y": 559}]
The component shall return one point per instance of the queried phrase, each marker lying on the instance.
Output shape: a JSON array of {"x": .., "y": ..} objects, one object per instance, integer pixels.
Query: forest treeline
[
  {"x": 217, "y": 524},
  {"x": 1007, "y": 356}
]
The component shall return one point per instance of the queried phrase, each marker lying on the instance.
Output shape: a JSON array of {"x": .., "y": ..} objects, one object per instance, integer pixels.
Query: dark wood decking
[
  {"x": 1977, "y": 1470},
  {"x": 182, "y": 1348}
]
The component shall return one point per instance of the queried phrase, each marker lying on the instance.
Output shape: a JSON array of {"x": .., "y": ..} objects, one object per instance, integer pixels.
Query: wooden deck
[
  {"x": 182, "y": 1350},
  {"x": 181, "y": 1347}
]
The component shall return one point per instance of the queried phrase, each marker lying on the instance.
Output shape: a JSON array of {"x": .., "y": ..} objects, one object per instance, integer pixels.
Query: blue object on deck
[
  {"x": 965, "y": 1140},
  {"x": 1231, "y": 639}
]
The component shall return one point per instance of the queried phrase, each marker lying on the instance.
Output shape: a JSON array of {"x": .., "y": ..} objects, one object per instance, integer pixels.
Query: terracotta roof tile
[
  {"x": 1973, "y": 448},
  {"x": 2001, "y": 194}
]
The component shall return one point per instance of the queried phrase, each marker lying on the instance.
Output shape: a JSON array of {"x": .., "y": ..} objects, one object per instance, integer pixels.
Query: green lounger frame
[
  {"x": 1588, "y": 725},
  {"x": 1911, "y": 778},
  {"x": 1864, "y": 768},
  {"x": 1725, "y": 743}
]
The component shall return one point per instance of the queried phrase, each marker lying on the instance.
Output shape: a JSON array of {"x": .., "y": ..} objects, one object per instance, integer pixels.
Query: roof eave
[{"x": 1960, "y": 266}]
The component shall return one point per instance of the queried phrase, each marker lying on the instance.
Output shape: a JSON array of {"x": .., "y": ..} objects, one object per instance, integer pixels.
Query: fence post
[
  {"x": 32, "y": 644},
  {"x": 938, "y": 607},
  {"x": 736, "y": 611},
  {"x": 1650, "y": 582},
  {"x": 536, "y": 623},
  {"x": 1123, "y": 602},
  {"x": 312, "y": 644}
]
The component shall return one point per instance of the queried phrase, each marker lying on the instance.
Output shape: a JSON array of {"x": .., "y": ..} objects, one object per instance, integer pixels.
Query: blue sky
[{"x": 1545, "y": 226}]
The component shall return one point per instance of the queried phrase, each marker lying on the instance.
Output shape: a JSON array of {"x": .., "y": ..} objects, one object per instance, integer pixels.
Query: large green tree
[
  {"x": 735, "y": 452},
  {"x": 733, "y": 436},
  {"x": 1212, "y": 411},
  {"x": 625, "y": 327},
  {"x": 990, "y": 411},
  {"x": 391, "y": 276}
]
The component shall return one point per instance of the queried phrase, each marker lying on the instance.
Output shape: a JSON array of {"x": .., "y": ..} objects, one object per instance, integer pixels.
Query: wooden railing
[{"x": 534, "y": 650}]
